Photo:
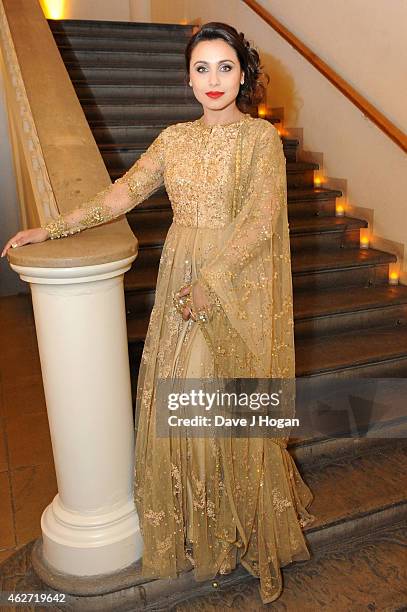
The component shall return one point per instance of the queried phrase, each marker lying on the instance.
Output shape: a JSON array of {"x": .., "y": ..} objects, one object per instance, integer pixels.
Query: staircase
[{"x": 349, "y": 322}]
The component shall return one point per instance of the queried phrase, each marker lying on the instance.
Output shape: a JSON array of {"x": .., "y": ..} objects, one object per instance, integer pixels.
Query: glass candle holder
[
  {"x": 394, "y": 273},
  {"x": 262, "y": 111},
  {"x": 339, "y": 210},
  {"x": 364, "y": 237}
]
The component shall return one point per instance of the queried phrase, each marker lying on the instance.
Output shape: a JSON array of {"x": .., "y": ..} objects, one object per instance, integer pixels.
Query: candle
[
  {"x": 394, "y": 273},
  {"x": 262, "y": 110},
  {"x": 317, "y": 181},
  {"x": 339, "y": 210},
  {"x": 364, "y": 237}
]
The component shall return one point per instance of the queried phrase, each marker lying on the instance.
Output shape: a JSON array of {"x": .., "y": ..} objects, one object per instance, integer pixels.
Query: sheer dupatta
[
  {"x": 251, "y": 335},
  {"x": 249, "y": 279}
]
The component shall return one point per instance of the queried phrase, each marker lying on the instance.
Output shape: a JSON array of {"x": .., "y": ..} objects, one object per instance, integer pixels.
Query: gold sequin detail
[
  {"x": 280, "y": 503},
  {"x": 155, "y": 518}
]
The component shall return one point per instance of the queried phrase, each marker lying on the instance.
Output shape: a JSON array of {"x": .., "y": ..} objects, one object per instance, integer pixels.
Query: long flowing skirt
[{"x": 195, "y": 508}]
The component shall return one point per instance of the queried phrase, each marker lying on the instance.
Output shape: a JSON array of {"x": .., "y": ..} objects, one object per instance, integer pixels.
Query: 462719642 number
[{"x": 13, "y": 598}]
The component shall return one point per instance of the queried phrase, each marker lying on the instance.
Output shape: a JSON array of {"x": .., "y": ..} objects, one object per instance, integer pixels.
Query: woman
[{"x": 223, "y": 308}]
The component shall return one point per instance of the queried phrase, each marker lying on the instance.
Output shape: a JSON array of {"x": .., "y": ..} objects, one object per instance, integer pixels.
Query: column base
[
  {"x": 90, "y": 544},
  {"x": 83, "y": 586}
]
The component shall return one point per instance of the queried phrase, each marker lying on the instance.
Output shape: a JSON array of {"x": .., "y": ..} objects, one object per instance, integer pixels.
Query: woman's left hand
[{"x": 199, "y": 299}]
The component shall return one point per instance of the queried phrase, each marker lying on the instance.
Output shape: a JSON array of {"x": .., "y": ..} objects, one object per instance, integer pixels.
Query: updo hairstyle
[{"x": 253, "y": 90}]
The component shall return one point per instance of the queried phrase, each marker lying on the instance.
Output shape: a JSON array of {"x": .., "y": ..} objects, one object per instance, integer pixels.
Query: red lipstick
[{"x": 215, "y": 94}]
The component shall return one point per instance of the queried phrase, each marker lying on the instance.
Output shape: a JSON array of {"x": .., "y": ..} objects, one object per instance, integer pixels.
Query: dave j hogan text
[{"x": 256, "y": 420}]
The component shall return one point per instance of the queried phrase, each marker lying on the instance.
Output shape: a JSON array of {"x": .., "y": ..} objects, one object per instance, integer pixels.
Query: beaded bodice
[{"x": 199, "y": 172}]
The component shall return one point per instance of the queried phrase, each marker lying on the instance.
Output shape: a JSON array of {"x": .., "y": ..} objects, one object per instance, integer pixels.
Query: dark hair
[{"x": 253, "y": 90}]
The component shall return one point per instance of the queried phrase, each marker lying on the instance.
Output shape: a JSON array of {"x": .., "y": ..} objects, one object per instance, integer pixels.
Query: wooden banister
[
  {"x": 57, "y": 141},
  {"x": 370, "y": 111}
]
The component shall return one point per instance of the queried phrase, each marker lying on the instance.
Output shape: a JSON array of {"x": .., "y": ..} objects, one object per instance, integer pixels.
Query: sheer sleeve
[
  {"x": 135, "y": 186},
  {"x": 249, "y": 280}
]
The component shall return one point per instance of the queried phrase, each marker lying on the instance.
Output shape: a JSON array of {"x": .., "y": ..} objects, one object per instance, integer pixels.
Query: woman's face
[{"x": 215, "y": 68}]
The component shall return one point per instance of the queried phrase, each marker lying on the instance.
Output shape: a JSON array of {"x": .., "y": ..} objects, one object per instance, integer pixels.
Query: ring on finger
[{"x": 185, "y": 300}]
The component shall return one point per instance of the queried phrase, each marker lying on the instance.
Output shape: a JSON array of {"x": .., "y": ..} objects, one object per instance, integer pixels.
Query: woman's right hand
[{"x": 37, "y": 234}]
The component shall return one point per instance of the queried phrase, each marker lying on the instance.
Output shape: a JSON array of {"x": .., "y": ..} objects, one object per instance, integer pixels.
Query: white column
[
  {"x": 140, "y": 10},
  {"x": 91, "y": 527}
]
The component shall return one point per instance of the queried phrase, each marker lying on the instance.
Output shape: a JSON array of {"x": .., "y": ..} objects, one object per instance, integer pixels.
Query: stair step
[
  {"x": 344, "y": 498},
  {"x": 126, "y": 103},
  {"x": 123, "y": 123},
  {"x": 320, "y": 262},
  {"x": 334, "y": 310},
  {"x": 105, "y": 93},
  {"x": 118, "y": 160},
  {"x": 141, "y": 277},
  {"x": 319, "y": 313},
  {"x": 312, "y": 201},
  {"x": 385, "y": 431},
  {"x": 123, "y": 59},
  {"x": 345, "y": 267},
  {"x": 357, "y": 546},
  {"x": 143, "y": 274},
  {"x": 150, "y": 225},
  {"x": 319, "y": 233},
  {"x": 315, "y": 193},
  {"x": 341, "y": 268},
  {"x": 118, "y": 154},
  {"x": 373, "y": 352},
  {"x": 139, "y": 305},
  {"x": 159, "y": 199},
  {"x": 134, "y": 136},
  {"x": 300, "y": 174},
  {"x": 315, "y": 232},
  {"x": 359, "y": 576},
  {"x": 137, "y": 328},
  {"x": 145, "y": 112},
  {"x": 118, "y": 43},
  {"x": 290, "y": 147},
  {"x": 303, "y": 226},
  {"x": 89, "y": 28},
  {"x": 134, "y": 76},
  {"x": 151, "y": 228}
]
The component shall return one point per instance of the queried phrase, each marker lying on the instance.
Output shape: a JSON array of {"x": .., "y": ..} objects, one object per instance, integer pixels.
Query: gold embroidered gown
[{"x": 205, "y": 502}]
